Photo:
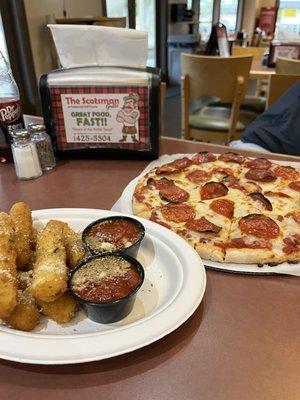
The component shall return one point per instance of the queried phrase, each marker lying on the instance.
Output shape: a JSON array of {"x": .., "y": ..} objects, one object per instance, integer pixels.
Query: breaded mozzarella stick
[
  {"x": 21, "y": 216},
  {"x": 49, "y": 271},
  {"x": 8, "y": 267}
]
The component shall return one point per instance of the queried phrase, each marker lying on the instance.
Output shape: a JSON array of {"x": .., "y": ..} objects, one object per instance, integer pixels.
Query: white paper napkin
[{"x": 82, "y": 45}]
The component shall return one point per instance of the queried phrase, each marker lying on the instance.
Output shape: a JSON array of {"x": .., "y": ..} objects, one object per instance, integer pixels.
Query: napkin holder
[{"x": 97, "y": 111}]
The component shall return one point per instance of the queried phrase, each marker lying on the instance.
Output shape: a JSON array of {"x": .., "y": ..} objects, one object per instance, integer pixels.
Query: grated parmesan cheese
[{"x": 99, "y": 268}]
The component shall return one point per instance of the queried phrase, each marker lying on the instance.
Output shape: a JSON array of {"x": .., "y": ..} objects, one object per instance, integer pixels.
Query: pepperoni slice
[
  {"x": 231, "y": 181},
  {"x": 168, "y": 191},
  {"x": 203, "y": 157},
  {"x": 295, "y": 186},
  {"x": 223, "y": 207},
  {"x": 154, "y": 217},
  {"x": 240, "y": 243},
  {"x": 262, "y": 200},
  {"x": 260, "y": 226},
  {"x": 139, "y": 196},
  {"x": 286, "y": 172},
  {"x": 175, "y": 166},
  {"x": 295, "y": 215},
  {"x": 292, "y": 244},
  {"x": 173, "y": 194},
  {"x": 260, "y": 175},
  {"x": 258, "y": 163},
  {"x": 202, "y": 225},
  {"x": 211, "y": 190},
  {"x": 277, "y": 194},
  {"x": 224, "y": 171},
  {"x": 178, "y": 212},
  {"x": 199, "y": 176},
  {"x": 252, "y": 187},
  {"x": 232, "y": 157},
  {"x": 160, "y": 183}
]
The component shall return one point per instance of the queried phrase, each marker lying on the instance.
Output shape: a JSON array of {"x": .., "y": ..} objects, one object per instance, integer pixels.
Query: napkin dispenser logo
[
  {"x": 102, "y": 110},
  {"x": 129, "y": 116}
]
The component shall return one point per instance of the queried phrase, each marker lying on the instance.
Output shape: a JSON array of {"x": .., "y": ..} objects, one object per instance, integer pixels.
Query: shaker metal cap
[
  {"x": 20, "y": 134},
  {"x": 36, "y": 128}
]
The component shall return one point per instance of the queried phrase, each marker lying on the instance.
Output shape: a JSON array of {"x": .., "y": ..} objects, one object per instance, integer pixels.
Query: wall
[
  {"x": 41, "y": 42},
  {"x": 252, "y": 12},
  {"x": 249, "y": 15},
  {"x": 264, "y": 3}
]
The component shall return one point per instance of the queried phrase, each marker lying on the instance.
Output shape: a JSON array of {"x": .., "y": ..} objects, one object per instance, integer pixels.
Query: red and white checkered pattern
[{"x": 144, "y": 130}]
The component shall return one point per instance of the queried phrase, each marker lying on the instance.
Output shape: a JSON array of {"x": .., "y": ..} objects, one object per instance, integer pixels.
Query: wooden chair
[
  {"x": 162, "y": 99},
  {"x": 256, "y": 52},
  {"x": 223, "y": 77},
  {"x": 287, "y": 66},
  {"x": 279, "y": 84}
]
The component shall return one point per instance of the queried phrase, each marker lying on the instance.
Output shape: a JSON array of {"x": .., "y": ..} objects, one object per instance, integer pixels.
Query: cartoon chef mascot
[{"x": 128, "y": 116}]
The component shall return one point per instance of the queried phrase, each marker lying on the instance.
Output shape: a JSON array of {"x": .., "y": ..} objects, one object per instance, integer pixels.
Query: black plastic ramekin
[
  {"x": 131, "y": 250},
  {"x": 108, "y": 312}
]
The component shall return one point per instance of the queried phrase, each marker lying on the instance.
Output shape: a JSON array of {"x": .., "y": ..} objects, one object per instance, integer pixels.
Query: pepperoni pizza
[{"x": 228, "y": 207}]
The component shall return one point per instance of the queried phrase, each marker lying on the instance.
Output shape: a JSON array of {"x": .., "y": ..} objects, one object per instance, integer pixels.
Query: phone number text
[{"x": 91, "y": 138}]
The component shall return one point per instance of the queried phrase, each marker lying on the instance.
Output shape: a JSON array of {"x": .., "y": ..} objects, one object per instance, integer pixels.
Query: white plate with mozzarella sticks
[{"x": 172, "y": 290}]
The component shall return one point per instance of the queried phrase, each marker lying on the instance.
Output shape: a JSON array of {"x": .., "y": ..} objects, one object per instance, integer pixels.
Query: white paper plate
[
  {"x": 124, "y": 204},
  {"x": 173, "y": 288}
]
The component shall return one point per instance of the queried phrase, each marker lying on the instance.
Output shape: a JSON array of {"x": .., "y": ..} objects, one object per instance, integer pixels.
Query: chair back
[
  {"x": 256, "y": 52},
  {"x": 279, "y": 84},
  {"x": 287, "y": 66},
  {"x": 215, "y": 76}
]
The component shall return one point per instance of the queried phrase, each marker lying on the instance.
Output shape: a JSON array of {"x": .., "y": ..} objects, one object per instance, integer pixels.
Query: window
[
  {"x": 288, "y": 17},
  {"x": 205, "y": 18},
  {"x": 140, "y": 14},
  {"x": 225, "y": 11},
  {"x": 228, "y": 15},
  {"x": 117, "y": 8},
  {"x": 145, "y": 21}
]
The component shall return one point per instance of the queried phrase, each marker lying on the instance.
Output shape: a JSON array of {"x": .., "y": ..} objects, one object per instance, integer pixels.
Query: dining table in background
[
  {"x": 241, "y": 343},
  {"x": 259, "y": 71},
  {"x": 259, "y": 78}
]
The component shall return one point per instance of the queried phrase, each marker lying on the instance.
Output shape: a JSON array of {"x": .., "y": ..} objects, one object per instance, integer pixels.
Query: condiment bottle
[
  {"x": 43, "y": 146},
  {"x": 25, "y": 155},
  {"x": 10, "y": 108}
]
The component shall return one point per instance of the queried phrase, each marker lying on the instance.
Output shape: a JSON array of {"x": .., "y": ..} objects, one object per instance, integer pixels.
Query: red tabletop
[{"x": 243, "y": 342}]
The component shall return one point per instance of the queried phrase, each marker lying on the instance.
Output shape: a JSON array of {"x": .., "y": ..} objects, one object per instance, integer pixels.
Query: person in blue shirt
[{"x": 276, "y": 130}]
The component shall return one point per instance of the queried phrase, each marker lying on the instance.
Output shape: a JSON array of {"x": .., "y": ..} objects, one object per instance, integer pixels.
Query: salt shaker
[
  {"x": 25, "y": 155},
  {"x": 43, "y": 146}
]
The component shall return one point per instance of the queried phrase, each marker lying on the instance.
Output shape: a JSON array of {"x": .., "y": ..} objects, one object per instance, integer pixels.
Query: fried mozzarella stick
[
  {"x": 74, "y": 247},
  {"x": 8, "y": 267},
  {"x": 21, "y": 216},
  {"x": 49, "y": 270},
  {"x": 25, "y": 315},
  {"x": 61, "y": 310}
]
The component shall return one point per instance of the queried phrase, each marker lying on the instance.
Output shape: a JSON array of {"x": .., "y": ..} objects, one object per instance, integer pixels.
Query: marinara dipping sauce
[
  {"x": 113, "y": 235},
  {"x": 106, "y": 286}
]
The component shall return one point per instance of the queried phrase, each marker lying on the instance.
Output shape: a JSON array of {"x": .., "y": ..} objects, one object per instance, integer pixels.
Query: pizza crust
[
  {"x": 292, "y": 258},
  {"x": 208, "y": 251},
  {"x": 251, "y": 256}
]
